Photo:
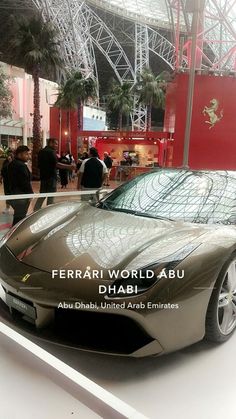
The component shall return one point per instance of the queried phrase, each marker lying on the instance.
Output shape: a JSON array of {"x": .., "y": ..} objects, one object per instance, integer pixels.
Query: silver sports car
[{"x": 149, "y": 269}]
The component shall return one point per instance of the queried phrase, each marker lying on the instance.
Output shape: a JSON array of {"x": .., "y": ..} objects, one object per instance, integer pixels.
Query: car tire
[{"x": 221, "y": 313}]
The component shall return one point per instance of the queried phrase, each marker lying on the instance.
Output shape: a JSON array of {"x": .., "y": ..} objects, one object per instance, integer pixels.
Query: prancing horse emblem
[{"x": 211, "y": 112}]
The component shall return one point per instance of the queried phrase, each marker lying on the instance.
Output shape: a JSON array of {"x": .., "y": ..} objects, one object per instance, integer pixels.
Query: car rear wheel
[{"x": 221, "y": 314}]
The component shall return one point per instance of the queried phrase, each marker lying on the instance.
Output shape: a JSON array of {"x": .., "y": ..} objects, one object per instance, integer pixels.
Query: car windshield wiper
[
  {"x": 126, "y": 210},
  {"x": 137, "y": 213},
  {"x": 156, "y": 217},
  {"x": 104, "y": 205}
]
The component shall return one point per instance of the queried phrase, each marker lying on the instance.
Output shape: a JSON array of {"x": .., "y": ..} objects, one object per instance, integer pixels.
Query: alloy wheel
[{"x": 227, "y": 301}]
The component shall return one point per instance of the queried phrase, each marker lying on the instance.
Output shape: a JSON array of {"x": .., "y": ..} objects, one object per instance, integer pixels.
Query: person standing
[
  {"x": 71, "y": 159},
  {"x": 108, "y": 162},
  {"x": 63, "y": 173},
  {"x": 19, "y": 178},
  {"x": 84, "y": 156},
  {"x": 48, "y": 165},
  {"x": 5, "y": 180},
  {"x": 92, "y": 172}
]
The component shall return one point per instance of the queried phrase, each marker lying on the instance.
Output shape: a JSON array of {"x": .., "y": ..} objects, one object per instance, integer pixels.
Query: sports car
[{"x": 148, "y": 269}]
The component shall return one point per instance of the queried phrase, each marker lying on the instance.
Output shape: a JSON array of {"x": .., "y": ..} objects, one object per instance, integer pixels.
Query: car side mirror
[{"x": 100, "y": 194}]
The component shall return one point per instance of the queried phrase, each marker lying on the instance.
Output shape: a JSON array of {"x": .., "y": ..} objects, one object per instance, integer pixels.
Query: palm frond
[
  {"x": 76, "y": 87},
  {"x": 151, "y": 89},
  {"x": 120, "y": 98},
  {"x": 34, "y": 42}
]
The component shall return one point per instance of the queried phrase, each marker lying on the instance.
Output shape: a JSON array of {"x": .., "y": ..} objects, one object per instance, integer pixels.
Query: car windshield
[{"x": 191, "y": 196}]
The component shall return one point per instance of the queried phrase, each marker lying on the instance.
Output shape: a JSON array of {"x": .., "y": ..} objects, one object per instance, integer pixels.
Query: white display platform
[
  {"x": 197, "y": 382},
  {"x": 27, "y": 390}
]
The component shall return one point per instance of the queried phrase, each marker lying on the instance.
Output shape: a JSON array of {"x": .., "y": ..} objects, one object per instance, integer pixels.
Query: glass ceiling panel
[{"x": 153, "y": 11}]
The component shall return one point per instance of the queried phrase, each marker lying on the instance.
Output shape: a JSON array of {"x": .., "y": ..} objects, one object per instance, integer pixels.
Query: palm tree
[
  {"x": 34, "y": 45},
  {"x": 151, "y": 92},
  {"x": 76, "y": 91},
  {"x": 66, "y": 102},
  {"x": 120, "y": 99}
]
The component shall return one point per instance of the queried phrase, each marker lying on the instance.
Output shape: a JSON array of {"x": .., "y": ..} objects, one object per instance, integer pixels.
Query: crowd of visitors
[{"x": 92, "y": 173}]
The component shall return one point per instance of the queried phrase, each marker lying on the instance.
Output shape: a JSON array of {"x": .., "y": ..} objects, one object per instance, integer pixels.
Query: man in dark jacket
[
  {"x": 19, "y": 178},
  {"x": 4, "y": 179},
  {"x": 48, "y": 165}
]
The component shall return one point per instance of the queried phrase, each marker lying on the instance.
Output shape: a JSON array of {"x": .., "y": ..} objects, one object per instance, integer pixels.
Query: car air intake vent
[{"x": 100, "y": 331}]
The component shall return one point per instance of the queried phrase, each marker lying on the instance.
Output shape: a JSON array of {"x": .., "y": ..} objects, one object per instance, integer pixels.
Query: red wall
[
  {"x": 213, "y": 148},
  {"x": 69, "y": 140}
]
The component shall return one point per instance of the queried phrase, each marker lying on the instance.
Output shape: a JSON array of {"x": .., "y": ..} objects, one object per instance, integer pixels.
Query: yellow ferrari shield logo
[{"x": 25, "y": 278}]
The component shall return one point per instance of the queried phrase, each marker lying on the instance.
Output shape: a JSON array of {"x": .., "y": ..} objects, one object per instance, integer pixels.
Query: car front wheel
[{"x": 221, "y": 314}]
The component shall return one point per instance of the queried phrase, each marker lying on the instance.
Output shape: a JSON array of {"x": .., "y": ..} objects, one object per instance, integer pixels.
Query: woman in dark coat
[{"x": 63, "y": 173}]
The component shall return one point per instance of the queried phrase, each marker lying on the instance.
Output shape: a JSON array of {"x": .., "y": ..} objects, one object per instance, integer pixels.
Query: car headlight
[{"x": 138, "y": 281}]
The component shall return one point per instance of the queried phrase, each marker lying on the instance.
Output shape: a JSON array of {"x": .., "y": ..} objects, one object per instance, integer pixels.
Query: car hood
[{"x": 79, "y": 236}]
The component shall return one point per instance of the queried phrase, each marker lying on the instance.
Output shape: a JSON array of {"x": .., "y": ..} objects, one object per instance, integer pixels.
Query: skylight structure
[{"x": 159, "y": 27}]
